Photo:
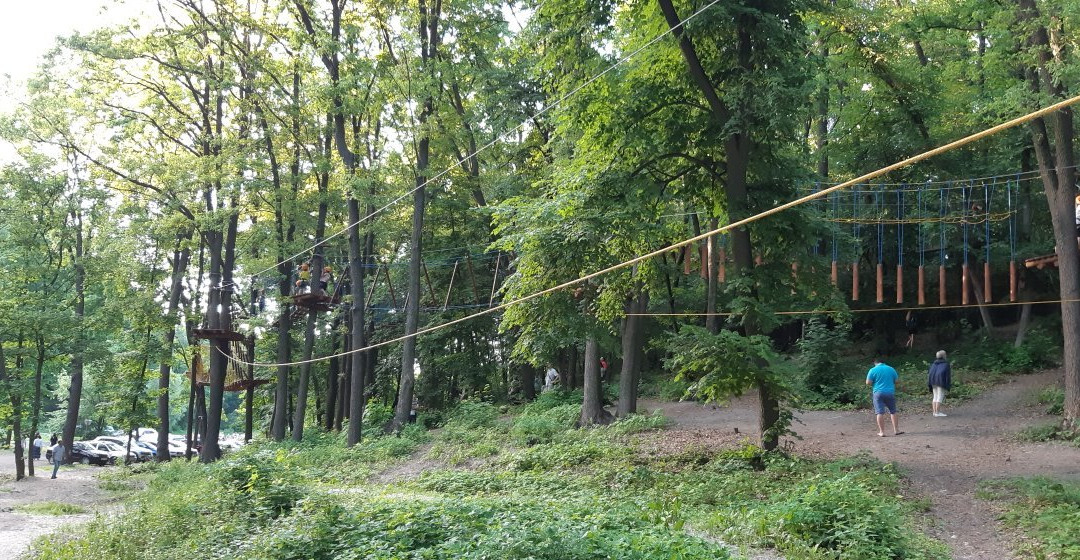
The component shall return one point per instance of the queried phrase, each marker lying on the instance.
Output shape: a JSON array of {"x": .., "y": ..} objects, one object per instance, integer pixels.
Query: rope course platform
[
  {"x": 1042, "y": 262},
  {"x": 317, "y": 302},
  {"x": 217, "y": 334}
]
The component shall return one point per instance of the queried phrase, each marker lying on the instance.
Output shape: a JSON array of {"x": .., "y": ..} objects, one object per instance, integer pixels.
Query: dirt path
[
  {"x": 74, "y": 485},
  {"x": 943, "y": 458}
]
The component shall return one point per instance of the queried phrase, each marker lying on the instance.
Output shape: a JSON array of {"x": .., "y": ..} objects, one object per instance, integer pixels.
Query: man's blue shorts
[{"x": 884, "y": 401}]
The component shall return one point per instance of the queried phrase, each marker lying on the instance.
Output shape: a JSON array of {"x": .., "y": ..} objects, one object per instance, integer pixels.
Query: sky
[{"x": 28, "y": 29}]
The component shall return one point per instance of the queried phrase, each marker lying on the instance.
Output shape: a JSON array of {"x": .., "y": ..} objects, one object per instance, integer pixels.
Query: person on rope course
[
  {"x": 305, "y": 278},
  {"x": 324, "y": 280}
]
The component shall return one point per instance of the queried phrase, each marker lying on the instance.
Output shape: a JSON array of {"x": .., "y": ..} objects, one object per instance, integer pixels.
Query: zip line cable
[
  {"x": 497, "y": 139},
  {"x": 865, "y": 310},
  {"x": 724, "y": 229}
]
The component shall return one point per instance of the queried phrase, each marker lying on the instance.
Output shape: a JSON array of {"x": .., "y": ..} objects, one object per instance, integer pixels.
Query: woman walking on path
[{"x": 939, "y": 380}]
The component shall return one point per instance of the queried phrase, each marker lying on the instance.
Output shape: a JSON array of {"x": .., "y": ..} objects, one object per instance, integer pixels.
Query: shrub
[
  {"x": 470, "y": 415},
  {"x": 1046, "y": 510}
]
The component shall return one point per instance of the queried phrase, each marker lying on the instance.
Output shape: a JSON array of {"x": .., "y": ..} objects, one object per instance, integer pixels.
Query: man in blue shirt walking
[{"x": 883, "y": 378}]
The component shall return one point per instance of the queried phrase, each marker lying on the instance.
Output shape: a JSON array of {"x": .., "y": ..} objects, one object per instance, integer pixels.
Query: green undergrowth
[
  {"x": 1047, "y": 512},
  {"x": 50, "y": 508},
  {"x": 545, "y": 490}
]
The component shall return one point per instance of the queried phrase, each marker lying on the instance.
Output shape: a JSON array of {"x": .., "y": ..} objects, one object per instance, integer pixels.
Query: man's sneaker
[{"x": 940, "y": 414}]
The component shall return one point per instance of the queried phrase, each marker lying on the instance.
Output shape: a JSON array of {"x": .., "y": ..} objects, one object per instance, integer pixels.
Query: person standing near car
[{"x": 59, "y": 453}]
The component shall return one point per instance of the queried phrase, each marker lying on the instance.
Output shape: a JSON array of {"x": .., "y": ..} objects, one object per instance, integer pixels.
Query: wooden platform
[
  {"x": 217, "y": 334},
  {"x": 317, "y": 302},
  {"x": 1042, "y": 262},
  {"x": 243, "y": 384}
]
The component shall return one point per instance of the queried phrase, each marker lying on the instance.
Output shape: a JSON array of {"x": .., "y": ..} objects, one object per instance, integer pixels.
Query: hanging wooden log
[
  {"x": 899, "y": 283},
  {"x": 703, "y": 253},
  {"x": 472, "y": 276},
  {"x": 450, "y": 288},
  {"x": 686, "y": 260},
  {"x": 495, "y": 277},
  {"x": 941, "y": 285},
  {"x": 986, "y": 283},
  {"x": 721, "y": 275},
  {"x": 1012, "y": 281},
  {"x": 880, "y": 283},
  {"x": 431, "y": 292},
  {"x": 833, "y": 276},
  {"x": 854, "y": 281},
  {"x": 922, "y": 285},
  {"x": 964, "y": 284}
]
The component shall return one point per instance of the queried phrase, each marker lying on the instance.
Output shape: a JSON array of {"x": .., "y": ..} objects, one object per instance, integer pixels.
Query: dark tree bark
[
  {"x": 429, "y": 34},
  {"x": 592, "y": 406},
  {"x": 737, "y": 147},
  {"x": 15, "y": 398},
  {"x": 631, "y": 362},
  {"x": 1053, "y": 145},
  {"x": 181, "y": 256},
  {"x": 75, "y": 389}
]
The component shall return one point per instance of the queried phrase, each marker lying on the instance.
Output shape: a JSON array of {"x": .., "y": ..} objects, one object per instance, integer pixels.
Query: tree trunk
[
  {"x": 333, "y": 373},
  {"x": 737, "y": 146},
  {"x": 1022, "y": 328},
  {"x": 176, "y": 289},
  {"x": 75, "y": 389},
  {"x": 592, "y": 405},
  {"x": 984, "y": 312},
  {"x": 15, "y": 397},
  {"x": 1058, "y": 173},
  {"x": 35, "y": 418},
  {"x": 631, "y": 362}
]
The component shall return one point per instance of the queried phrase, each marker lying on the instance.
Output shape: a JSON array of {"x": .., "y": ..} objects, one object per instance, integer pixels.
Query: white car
[{"x": 116, "y": 452}]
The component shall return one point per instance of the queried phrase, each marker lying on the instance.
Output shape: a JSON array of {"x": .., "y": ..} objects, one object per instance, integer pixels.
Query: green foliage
[
  {"x": 1046, "y": 510},
  {"x": 51, "y": 508},
  {"x": 1054, "y": 399},
  {"x": 826, "y": 382},
  {"x": 721, "y": 365},
  {"x": 1039, "y": 350}
]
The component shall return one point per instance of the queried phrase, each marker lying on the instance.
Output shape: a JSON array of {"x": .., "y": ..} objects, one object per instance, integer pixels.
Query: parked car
[
  {"x": 83, "y": 452},
  {"x": 115, "y": 451},
  {"x": 141, "y": 451}
]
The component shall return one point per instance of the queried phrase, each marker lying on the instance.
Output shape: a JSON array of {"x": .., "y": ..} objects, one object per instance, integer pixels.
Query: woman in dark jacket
[{"x": 939, "y": 380}]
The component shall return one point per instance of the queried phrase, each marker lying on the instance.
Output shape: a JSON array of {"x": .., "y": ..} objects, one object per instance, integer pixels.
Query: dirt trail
[
  {"x": 943, "y": 458},
  {"x": 74, "y": 485}
]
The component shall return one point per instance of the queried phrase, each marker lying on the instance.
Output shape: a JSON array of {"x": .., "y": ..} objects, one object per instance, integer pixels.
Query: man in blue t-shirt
[{"x": 883, "y": 378}]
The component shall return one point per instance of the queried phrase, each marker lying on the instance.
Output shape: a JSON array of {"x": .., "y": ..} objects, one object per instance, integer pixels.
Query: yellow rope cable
[
  {"x": 864, "y": 310},
  {"x": 775, "y": 210}
]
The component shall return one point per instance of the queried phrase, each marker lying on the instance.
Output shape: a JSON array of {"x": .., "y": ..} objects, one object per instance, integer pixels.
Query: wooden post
[
  {"x": 453, "y": 274},
  {"x": 964, "y": 285},
  {"x": 472, "y": 276},
  {"x": 686, "y": 260},
  {"x": 986, "y": 283},
  {"x": 390, "y": 286},
  {"x": 1012, "y": 281},
  {"x": 833, "y": 277},
  {"x": 922, "y": 285},
  {"x": 431, "y": 292},
  {"x": 899, "y": 283},
  {"x": 703, "y": 252},
  {"x": 495, "y": 278},
  {"x": 854, "y": 281},
  {"x": 880, "y": 283},
  {"x": 721, "y": 274},
  {"x": 941, "y": 285}
]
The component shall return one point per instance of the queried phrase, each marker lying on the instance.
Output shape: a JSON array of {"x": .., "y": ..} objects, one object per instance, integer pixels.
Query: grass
[
  {"x": 1046, "y": 510},
  {"x": 543, "y": 490},
  {"x": 50, "y": 508}
]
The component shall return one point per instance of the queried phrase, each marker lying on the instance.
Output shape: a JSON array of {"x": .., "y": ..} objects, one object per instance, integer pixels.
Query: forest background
[{"x": 175, "y": 175}]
